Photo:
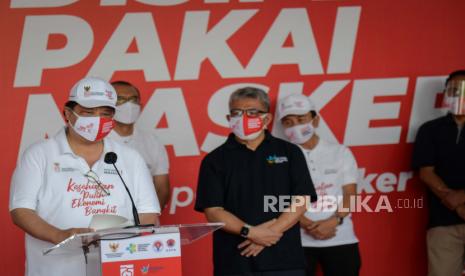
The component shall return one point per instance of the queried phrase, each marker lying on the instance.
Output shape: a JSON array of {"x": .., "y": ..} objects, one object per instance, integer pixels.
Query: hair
[
  {"x": 251, "y": 93},
  {"x": 455, "y": 74},
  {"x": 126, "y": 83},
  {"x": 71, "y": 104}
]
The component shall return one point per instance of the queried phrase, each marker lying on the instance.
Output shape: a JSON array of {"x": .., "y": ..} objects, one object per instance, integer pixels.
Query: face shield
[{"x": 454, "y": 97}]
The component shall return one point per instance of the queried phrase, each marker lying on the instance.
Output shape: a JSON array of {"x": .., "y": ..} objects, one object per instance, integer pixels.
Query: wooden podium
[{"x": 134, "y": 251}]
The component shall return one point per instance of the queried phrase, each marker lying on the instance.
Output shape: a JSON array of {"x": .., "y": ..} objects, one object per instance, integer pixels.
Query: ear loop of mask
[
  {"x": 265, "y": 125},
  {"x": 72, "y": 111}
]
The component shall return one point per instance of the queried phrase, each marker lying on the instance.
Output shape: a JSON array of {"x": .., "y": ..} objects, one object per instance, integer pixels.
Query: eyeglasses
[
  {"x": 103, "y": 112},
  {"x": 249, "y": 112},
  {"x": 92, "y": 177},
  {"x": 292, "y": 120},
  {"x": 121, "y": 100}
]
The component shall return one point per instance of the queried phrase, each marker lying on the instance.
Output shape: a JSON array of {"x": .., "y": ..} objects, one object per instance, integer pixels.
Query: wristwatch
[{"x": 245, "y": 230}]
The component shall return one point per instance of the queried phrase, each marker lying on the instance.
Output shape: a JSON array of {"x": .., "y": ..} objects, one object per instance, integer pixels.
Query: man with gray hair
[{"x": 235, "y": 183}]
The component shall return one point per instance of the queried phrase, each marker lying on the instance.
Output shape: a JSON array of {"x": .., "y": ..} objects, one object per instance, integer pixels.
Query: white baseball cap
[
  {"x": 93, "y": 92},
  {"x": 296, "y": 104}
]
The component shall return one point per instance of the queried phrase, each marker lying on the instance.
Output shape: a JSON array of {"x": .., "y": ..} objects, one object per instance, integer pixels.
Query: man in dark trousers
[
  {"x": 241, "y": 184},
  {"x": 439, "y": 156}
]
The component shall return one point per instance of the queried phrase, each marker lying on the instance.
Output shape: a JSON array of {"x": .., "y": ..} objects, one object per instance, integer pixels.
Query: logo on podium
[
  {"x": 126, "y": 270},
  {"x": 157, "y": 246}
]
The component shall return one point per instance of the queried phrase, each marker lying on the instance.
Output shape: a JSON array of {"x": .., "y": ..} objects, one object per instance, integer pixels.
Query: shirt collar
[
  {"x": 319, "y": 146},
  {"x": 62, "y": 141},
  {"x": 122, "y": 139},
  {"x": 231, "y": 142}
]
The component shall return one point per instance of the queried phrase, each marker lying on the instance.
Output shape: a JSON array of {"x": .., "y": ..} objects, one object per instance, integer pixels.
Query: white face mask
[
  {"x": 92, "y": 128},
  {"x": 455, "y": 105},
  {"x": 300, "y": 134},
  {"x": 127, "y": 113},
  {"x": 246, "y": 128},
  {"x": 454, "y": 98}
]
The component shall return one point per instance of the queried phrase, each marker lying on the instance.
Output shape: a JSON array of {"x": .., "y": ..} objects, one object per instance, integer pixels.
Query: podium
[{"x": 131, "y": 251}]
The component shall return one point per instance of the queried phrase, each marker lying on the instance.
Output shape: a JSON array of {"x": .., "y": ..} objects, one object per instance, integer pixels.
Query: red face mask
[
  {"x": 93, "y": 128},
  {"x": 246, "y": 128}
]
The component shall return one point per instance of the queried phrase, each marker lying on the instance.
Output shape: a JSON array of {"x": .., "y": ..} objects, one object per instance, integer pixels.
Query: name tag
[
  {"x": 57, "y": 167},
  {"x": 330, "y": 171}
]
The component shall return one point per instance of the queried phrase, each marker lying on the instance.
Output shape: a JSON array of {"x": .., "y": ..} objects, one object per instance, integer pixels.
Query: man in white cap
[
  {"x": 327, "y": 234},
  {"x": 146, "y": 143},
  {"x": 61, "y": 182}
]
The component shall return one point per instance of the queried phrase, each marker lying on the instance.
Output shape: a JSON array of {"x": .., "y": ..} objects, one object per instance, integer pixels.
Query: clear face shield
[{"x": 454, "y": 97}]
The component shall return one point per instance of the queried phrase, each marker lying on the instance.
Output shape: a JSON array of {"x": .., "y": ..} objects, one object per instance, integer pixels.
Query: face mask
[
  {"x": 127, "y": 113},
  {"x": 92, "y": 128},
  {"x": 455, "y": 105},
  {"x": 454, "y": 98},
  {"x": 246, "y": 128},
  {"x": 447, "y": 102},
  {"x": 300, "y": 134}
]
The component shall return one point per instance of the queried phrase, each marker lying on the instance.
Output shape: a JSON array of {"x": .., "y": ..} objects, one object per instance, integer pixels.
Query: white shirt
[
  {"x": 331, "y": 167},
  {"x": 50, "y": 179},
  {"x": 148, "y": 145}
]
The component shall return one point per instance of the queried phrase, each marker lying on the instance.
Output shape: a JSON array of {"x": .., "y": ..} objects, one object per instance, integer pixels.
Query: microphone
[{"x": 110, "y": 158}]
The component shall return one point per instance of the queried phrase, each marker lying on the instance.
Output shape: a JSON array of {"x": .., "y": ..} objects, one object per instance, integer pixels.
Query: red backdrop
[{"x": 373, "y": 68}]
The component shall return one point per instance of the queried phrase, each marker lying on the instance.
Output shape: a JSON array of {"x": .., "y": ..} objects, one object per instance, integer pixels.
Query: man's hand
[
  {"x": 305, "y": 222},
  {"x": 64, "y": 234},
  {"x": 251, "y": 249},
  {"x": 257, "y": 234},
  {"x": 453, "y": 199},
  {"x": 441, "y": 191},
  {"x": 323, "y": 229},
  {"x": 31, "y": 223},
  {"x": 263, "y": 235},
  {"x": 461, "y": 211}
]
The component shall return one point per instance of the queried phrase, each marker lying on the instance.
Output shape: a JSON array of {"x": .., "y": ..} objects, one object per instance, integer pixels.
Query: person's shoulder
[
  {"x": 122, "y": 149},
  {"x": 216, "y": 154},
  {"x": 48, "y": 144},
  {"x": 284, "y": 144},
  {"x": 335, "y": 146},
  {"x": 39, "y": 147},
  {"x": 434, "y": 123},
  {"x": 146, "y": 135},
  {"x": 40, "y": 150},
  {"x": 221, "y": 153},
  {"x": 144, "y": 132}
]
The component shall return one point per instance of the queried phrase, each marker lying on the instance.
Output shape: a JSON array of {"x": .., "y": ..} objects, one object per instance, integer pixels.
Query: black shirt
[
  {"x": 237, "y": 179},
  {"x": 441, "y": 144}
]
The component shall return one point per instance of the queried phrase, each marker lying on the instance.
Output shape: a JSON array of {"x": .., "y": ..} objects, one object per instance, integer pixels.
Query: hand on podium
[{"x": 62, "y": 235}]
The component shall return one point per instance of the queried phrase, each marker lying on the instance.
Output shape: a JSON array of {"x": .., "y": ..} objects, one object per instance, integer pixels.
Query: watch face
[{"x": 244, "y": 231}]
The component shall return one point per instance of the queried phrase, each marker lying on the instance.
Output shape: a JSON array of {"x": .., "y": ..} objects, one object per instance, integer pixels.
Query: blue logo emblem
[{"x": 273, "y": 159}]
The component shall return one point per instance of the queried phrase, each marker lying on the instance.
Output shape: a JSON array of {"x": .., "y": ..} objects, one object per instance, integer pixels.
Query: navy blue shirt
[
  {"x": 441, "y": 144},
  {"x": 237, "y": 179}
]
